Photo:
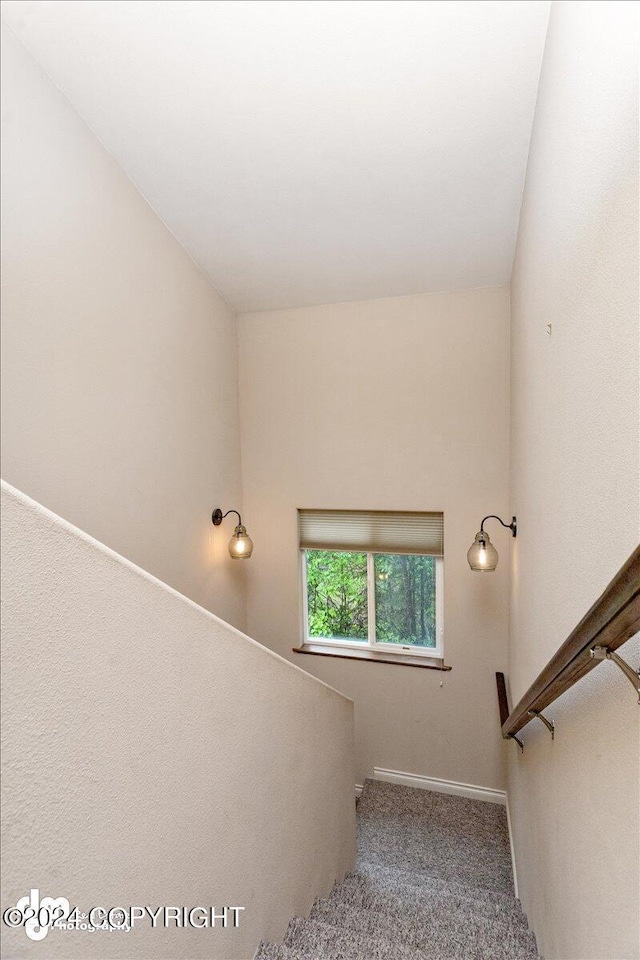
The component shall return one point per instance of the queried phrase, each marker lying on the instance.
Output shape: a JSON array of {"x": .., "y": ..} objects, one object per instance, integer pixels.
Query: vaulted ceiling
[{"x": 311, "y": 151}]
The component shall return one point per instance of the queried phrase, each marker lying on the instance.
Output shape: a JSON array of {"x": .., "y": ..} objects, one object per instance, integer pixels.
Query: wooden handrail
[
  {"x": 503, "y": 703},
  {"x": 612, "y": 620}
]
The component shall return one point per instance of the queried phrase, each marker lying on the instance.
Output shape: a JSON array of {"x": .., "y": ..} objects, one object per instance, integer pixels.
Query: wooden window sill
[{"x": 371, "y": 656}]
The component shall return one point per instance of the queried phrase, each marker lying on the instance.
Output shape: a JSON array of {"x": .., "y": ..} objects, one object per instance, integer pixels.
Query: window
[{"x": 385, "y": 596}]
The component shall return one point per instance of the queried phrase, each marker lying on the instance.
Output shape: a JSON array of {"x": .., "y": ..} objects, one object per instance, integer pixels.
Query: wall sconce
[
  {"x": 241, "y": 544},
  {"x": 482, "y": 555}
]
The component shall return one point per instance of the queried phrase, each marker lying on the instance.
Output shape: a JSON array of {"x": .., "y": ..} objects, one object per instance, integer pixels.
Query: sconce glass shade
[
  {"x": 482, "y": 555},
  {"x": 241, "y": 544}
]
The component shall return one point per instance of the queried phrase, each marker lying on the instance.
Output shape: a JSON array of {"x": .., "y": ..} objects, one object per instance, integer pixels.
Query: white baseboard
[
  {"x": 441, "y": 786},
  {"x": 358, "y": 789},
  {"x": 513, "y": 854}
]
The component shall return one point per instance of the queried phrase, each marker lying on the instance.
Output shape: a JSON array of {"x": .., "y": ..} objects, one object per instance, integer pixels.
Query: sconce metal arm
[
  {"x": 510, "y": 526},
  {"x": 218, "y": 516}
]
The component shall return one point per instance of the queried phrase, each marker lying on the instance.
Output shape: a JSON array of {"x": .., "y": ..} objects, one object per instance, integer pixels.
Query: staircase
[{"x": 433, "y": 881}]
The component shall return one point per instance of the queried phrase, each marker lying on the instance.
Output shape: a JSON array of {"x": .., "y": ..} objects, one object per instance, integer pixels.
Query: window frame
[{"x": 371, "y": 644}]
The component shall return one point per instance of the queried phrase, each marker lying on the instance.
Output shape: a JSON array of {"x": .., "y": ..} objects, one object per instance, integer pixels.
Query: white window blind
[{"x": 373, "y": 531}]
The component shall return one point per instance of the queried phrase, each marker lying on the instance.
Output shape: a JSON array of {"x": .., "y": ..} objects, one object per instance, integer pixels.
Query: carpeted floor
[{"x": 433, "y": 881}]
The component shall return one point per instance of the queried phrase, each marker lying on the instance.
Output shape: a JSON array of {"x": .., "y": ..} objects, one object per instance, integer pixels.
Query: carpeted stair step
[
  {"x": 450, "y": 932},
  {"x": 407, "y": 887},
  {"x": 356, "y": 891},
  {"x": 467, "y": 868},
  {"x": 316, "y": 940},
  {"x": 275, "y": 951},
  {"x": 471, "y": 877}
]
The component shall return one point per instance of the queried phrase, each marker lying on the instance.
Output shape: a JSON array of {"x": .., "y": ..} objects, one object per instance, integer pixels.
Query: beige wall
[
  {"x": 119, "y": 373},
  {"x": 153, "y": 755},
  {"x": 575, "y": 481},
  {"x": 387, "y": 404}
]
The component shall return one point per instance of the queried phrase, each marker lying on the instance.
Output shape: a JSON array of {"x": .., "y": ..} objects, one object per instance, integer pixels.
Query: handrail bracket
[
  {"x": 603, "y": 653},
  {"x": 549, "y": 724},
  {"x": 612, "y": 620}
]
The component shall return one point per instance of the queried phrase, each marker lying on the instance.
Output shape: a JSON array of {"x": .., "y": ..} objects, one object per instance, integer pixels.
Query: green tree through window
[
  {"x": 404, "y": 588},
  {"x": 337, "y": 594}
]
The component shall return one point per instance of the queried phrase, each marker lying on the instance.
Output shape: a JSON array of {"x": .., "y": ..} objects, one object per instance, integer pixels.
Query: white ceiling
[{"x": 311, "y": 151}]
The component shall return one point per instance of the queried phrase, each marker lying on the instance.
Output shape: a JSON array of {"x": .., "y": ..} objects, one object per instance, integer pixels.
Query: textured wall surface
[
  {"x": 398, "y": 404},
  {"x": 576, "y": 481},
  {"x": 119, "y": 371},
  {"x": 153, "y": 755}
]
